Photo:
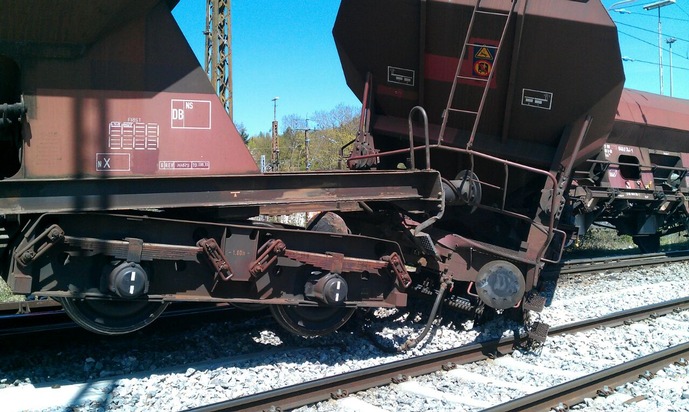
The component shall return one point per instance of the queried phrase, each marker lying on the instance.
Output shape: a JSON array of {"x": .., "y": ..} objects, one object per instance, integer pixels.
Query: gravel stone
[{"x": 208, "y": 363}]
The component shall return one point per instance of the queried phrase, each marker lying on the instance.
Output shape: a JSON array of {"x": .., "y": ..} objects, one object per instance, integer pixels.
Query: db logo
[
  {"x": 177, "y": 114},
  {"x": 190, "y": 114}
]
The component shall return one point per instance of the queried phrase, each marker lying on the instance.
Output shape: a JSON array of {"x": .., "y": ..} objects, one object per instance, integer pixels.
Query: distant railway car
[{"x": 638, "y": 181}]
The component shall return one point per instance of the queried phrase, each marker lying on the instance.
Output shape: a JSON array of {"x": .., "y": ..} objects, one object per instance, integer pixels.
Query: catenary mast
[{"x": 219, "y": 49}]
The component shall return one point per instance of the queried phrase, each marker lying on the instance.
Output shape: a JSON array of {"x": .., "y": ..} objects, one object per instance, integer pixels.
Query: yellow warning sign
[{"x": 484, "y": 53}]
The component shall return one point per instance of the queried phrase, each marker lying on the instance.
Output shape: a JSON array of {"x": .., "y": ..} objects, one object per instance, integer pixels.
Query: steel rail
[
  {"x": 298, "y": 395},
  {"x": 47, "y": 315},
  {"x": 625, "y": 316},
  {"x": 573, "y": 392},
  {"x": 294, "y": 396},
  {"x": 613, "y": 262},
  {"x": 27, "y": 306}
]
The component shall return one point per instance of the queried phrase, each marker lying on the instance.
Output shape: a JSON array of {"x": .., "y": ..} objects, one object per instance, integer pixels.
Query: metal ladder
[{"x": 475, "y": 111}]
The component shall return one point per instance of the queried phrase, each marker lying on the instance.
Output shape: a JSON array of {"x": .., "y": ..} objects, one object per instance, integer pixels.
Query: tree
[
  {"x": 242, "y": 132},
  {"x": 328, "y": 132},
  {"x": 260, "y": 145},
  {"x": 335, "y": 128}
]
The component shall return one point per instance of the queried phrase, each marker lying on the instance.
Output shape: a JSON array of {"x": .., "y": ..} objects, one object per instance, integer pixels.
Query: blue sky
[
  {"x": 280, "y": 48},
  {"x": 285, "y": 48},
  {"x": 638, "y": 33}
]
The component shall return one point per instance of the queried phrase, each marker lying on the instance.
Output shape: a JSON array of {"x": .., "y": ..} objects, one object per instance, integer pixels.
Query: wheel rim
[
  {"x": 321, "y": 320},
  {"x": 107, "y": 317},
  {"x": 311, "y": 321}
]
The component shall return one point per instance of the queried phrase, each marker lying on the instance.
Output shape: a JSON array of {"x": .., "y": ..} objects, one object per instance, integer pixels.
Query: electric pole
[
  {"x": 275, "y": 154},
  {"x": 219, "y": 49},
  {"x": 306, "y": 130}
]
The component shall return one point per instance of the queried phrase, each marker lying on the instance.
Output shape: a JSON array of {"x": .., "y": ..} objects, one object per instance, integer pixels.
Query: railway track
[
  {"x": 560, "y": 397},
  {"x": 40, "y": 316},
  {"x": 587, "y": 265},
  {"x": 32, "y": 316},
  {"x": 342, "y": 385},
  {"x": 487, "y": 348}
]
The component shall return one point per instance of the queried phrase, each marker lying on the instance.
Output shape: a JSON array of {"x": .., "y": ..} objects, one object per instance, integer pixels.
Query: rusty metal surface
[
  {"x": 416, "y": 65},
  {"x": 653, "y": 121},
  {"x": 653, "y": 109},
  {"x": 628, "y": 167},
  {"x": 547, "y": 110},
  {"x": 174, "y": 266},
  {"x": 273, "y": 193},
  {"x": 68, "y": 22},
  {"x": 133, "y": 103}
]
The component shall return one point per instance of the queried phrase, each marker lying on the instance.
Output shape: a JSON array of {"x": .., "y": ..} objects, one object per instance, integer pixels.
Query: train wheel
[
  {"x": 309, "y": 321},
  {"x": 108, "y": 317},
  {"x": 647, "y": 244},
  {"x": 328, "y": 222}
]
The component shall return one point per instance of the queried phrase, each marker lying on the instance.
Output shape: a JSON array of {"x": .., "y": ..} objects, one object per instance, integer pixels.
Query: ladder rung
[
  {"x": 463, "y": 111},
  {"x": 481, "y": 79},
  {"x": 481, "y": 45},
  {"x": 493, "y": 13},
  {"x": 486, "y": 81}
]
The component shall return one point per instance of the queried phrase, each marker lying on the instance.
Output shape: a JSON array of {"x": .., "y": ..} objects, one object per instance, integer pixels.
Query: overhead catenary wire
[
  {"x": 649, "y": 30},
  {"x": 651, "y": 44}
]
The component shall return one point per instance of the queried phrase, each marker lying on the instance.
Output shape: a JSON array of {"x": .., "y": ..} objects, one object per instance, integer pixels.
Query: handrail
[
  {"x": 506, "y": 163},
  {"x": 411, "y": 137}
]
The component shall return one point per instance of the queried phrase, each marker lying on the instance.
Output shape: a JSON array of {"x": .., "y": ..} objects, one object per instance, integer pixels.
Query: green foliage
[
  {"x": 597, "y": 238},
  {"x": 327, "y": 132},
  {"x": 242, "y": 132},
  {"x": 260, "y": 145},
  {"x": 606, "y": 241}
]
